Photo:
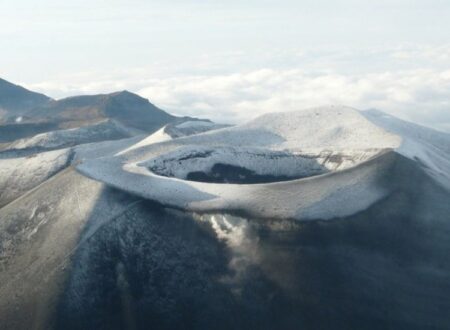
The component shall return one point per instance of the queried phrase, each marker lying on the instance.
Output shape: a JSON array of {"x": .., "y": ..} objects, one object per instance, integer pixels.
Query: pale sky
[{"x": 232, "y": 60}]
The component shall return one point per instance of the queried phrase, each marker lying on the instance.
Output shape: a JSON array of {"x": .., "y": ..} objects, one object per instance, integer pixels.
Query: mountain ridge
[
  {"x": 15, "y": 99},
  {"x": 125, "y": 107}
]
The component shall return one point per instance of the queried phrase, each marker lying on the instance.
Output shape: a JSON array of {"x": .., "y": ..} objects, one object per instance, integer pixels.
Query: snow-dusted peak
[{"x": 334, "y": 127}]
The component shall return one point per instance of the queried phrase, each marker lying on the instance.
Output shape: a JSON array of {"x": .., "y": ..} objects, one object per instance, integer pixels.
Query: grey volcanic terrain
[{"x": 117, "y": 215}]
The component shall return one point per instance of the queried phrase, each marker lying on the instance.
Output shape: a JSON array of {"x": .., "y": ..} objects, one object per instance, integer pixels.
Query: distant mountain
[
  {"x": 128, "y": 108},
  {"x": 15, "y": 100},
  {"x": 24, "y": 113}
]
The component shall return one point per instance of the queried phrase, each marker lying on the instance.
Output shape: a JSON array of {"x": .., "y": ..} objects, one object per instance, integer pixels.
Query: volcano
[{"x": 324, "y": 218}]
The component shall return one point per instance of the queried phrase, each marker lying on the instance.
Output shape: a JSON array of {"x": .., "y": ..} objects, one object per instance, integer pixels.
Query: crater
[{"x": 236, "y": 165}]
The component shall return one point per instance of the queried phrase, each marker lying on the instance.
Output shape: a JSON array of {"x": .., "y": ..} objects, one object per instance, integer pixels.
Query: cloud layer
[
  {"x": 420, "y": 95},
  {"x": 410, "y": 82}
]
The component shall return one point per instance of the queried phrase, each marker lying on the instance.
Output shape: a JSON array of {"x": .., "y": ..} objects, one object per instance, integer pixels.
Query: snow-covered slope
[
  {"x": 106, "y": 130},
  {"x": 177, "y": 130},
  {"x": 353, "y": 154},
  {"x": 331, "y": 127},
  {"x": 26, "y": 163},
  {"x": 19, "y": 175},
  {"x": 23, "y": 170}
]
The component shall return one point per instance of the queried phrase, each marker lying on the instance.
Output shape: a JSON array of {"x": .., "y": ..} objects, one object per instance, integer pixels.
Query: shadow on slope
[
  {"x": 38, "y": 234},
  {"x": 10, "y": 132}
]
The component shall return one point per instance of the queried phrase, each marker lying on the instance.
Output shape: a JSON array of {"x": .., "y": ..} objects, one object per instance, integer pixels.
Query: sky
[{"x": 234, "y": 60}]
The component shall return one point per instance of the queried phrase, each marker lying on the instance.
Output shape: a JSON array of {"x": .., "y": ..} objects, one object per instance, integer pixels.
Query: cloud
[
  {"x": 413, "y": 83},
  {"x": 419, "y": 95}
]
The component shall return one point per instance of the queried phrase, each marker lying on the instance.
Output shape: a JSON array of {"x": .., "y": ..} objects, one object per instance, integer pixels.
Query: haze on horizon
[{"x": 232, "y": 61}]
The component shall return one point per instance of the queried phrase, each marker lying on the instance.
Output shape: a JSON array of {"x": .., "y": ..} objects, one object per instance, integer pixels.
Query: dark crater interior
[{"x": 225, "y": 173}]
